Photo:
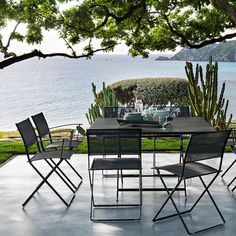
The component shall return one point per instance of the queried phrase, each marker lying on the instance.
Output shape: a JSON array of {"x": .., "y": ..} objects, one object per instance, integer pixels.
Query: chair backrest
[
  {"x": 116, "y": 112},
  {"x": 41, "y": 124},
  {"x": 111, "y": 112},
  {"x": 114, "y": 142},
  {"x": 206, "y": 146},
  {"x": 124, "y": 110},
  {"x": 27, "y": 133},
  {"x": 183, "y": 112}
]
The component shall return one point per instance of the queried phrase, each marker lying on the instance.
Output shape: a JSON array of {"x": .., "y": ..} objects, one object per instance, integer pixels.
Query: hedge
[{"x": 154, "y": 91}]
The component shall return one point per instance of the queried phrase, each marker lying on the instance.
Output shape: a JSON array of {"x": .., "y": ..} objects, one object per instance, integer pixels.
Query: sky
[{"x": 52, "y": 43}]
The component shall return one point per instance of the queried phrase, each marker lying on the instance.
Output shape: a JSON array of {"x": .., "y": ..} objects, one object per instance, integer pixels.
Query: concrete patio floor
[{"x": 46, "y": 215}]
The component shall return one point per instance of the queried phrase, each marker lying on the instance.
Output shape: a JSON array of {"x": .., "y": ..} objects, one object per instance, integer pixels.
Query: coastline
[{"x": 61, "y": 88}]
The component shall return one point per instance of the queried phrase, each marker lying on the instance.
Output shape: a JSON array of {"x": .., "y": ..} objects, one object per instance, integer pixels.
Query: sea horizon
[{"x": 61, "y": 88}]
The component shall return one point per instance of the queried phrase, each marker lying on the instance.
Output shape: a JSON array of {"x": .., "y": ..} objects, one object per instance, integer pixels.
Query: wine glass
[{"x": 163, "y": 121}]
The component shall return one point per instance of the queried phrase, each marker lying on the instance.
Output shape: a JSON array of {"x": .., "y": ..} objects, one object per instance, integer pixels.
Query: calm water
[{"x": 61, "y": 88}]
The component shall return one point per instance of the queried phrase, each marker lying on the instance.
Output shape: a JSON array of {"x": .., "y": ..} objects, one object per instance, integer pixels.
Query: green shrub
[{"x": 154, "y": 91}]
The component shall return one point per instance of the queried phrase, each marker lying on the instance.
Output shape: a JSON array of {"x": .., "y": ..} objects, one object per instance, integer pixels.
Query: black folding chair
[
  {"x": 201, "y": 147},
  {"x": 44, "y": 131},
  {"x": 182, "y": 111},
  {"x": 29, "y": 138},
  {"x": 229, "y": 184},
  {"x": 175, "y": 111},
  {"x": 116, "y": 112},
  {"x": 122, "y": 148}
]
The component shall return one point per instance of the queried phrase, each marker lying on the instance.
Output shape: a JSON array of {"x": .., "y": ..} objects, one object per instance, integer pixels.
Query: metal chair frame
[
  {"x": 29, "y": 138},
  {"x": 180, "y": 172},
  {"x": 116, "y": 112},
  {"x": 44, "y": 130},
  {"x": 231, "y": 142},
  {"x": 178, "y": 112},
  {"x": 116, "y": 134}
]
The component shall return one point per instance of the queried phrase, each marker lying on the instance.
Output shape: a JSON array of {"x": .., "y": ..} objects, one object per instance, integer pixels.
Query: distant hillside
[{"x": 219, "y": 52}]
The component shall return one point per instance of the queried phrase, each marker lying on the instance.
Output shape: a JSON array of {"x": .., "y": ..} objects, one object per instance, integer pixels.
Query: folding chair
[
  {"x": 231, "y": 142},
  {"x": 175, "y": 111},
  {"x": 44, "y": 131},
  {"x": 29, "y": 138},
  {"x": 124, "y": 145},
  {"x": 182, "y": 112},
  {"x": 116, "y": 112},
  {"x": 201, "y": 147}
]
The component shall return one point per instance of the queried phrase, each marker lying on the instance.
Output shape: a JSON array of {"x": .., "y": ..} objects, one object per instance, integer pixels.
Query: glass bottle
[{"x": 138, "y": 104}]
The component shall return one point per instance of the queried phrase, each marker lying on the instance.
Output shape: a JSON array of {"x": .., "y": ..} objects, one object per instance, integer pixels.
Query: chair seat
[
  {"x": 193, "y": 169},
  {"x": 74, "y": 143},
  {"x": 116, "y": 164},
  {"x": 52, "y": 154}
]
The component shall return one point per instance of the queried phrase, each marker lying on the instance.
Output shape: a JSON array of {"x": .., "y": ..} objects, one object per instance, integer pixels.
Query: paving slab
[{"x": 46, "y": 215}]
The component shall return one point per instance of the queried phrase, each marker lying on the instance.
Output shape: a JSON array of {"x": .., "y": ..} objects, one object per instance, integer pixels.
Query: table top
[{"x": 179, "y": 125}]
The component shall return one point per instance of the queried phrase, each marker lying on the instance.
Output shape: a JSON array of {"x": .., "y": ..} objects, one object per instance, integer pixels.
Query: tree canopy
[{"x": 143, "y": 25}]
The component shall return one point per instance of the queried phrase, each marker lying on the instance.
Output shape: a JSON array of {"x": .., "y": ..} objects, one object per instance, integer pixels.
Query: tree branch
[
  {"x": 37, "y": 53},
  {"x": 202, "y": 44},
  {"x": 10, "y": 37},
  {"x": 226, "y": 7},
  {"x": 69, "y": 46},
  {"x": 4, "y": 49},
  {"x": 109, "y": 14},
  {"x": 213, "y": 40},
  {"x": 129, "y": 13}
]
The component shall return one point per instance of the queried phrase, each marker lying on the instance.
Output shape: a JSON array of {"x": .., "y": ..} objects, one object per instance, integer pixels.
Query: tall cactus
[
  {"x": 203, "y": 95},
  {"x": 106, "y": 97}
]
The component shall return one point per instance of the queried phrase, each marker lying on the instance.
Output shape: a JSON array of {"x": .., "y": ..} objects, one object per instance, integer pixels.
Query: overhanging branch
[
  {"x": 37, "y": 53},
  {"x": 225, "y": 6},
  {"x": 203, "y": 43}
]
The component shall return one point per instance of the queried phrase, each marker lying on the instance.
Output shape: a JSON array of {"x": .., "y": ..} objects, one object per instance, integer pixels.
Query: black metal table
[{"x": 179, "y": 126}]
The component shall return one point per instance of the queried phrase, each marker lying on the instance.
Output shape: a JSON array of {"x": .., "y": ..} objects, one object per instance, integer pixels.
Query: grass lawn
[{"x": 10, "y": 148}]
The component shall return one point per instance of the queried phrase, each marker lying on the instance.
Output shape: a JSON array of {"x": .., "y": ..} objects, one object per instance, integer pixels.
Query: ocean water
[{"x": 61, "y": 88}]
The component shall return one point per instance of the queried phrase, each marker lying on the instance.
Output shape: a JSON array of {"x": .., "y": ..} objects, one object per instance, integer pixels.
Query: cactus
[
  {"x": 93, "y": 113},
  {"x": 203, "y": 95},
  {"x": 106, "y": 97}
]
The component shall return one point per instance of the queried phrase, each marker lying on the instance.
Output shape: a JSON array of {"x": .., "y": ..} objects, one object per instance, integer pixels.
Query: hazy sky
[{"x": 52, "y": 43}]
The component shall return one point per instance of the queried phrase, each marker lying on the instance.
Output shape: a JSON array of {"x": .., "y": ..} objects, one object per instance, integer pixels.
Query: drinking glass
[{"x": 163, "y": 121}]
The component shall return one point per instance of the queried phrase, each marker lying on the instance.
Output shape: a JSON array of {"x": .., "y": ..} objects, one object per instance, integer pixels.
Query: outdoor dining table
[{"x": 178, "y": 126}]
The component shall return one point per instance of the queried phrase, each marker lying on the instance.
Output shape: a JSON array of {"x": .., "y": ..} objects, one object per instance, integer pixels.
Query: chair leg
[
  {"x": 60, "y": 175},
  {"x": 228, "y": 168},
  {"x": 117, "y": 185},
  {"x": 74, "y": 169},
  {"x": 140, "y": 189},
  {"x": 228, "y": 185},
  {"x": 93, "y": 205},
  {"x": 225, "y": 172},
  {"x": 154, "y": 155},
  {"x": 187, "y": 211},
  {"x": 212, "y": 199},
  {"x": 76, "y": 172},
  {"x": 181, "y": 156},
  {"x": 81, "y": 179},
  {"x": 45, "y": 180}
]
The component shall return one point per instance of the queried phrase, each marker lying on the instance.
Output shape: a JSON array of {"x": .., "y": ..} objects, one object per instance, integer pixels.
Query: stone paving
[{"x": 46, "y": 215}]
